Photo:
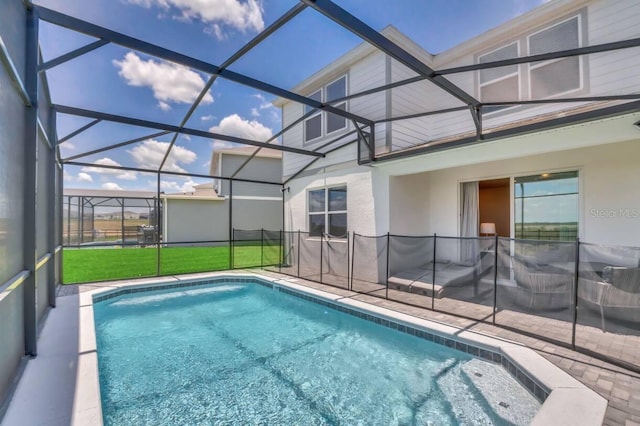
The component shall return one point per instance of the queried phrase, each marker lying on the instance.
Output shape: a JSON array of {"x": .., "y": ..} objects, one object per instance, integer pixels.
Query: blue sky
[{"x": 117, "y": 80}]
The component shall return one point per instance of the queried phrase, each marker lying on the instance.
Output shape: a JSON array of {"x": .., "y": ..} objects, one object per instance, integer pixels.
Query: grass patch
[{"x": 104, "y": 264}]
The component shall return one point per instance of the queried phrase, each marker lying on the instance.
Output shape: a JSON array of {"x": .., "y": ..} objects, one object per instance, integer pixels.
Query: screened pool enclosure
[{"x": 61, "y": 126}]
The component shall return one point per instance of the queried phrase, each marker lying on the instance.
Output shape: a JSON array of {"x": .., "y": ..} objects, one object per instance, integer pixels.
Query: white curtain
[
  {"x": 470, "y": 222},
  {"x": 470, "y": 213}
]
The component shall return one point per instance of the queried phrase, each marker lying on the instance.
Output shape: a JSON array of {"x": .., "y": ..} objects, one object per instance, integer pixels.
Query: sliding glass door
[{"x": 546, "y": 206}]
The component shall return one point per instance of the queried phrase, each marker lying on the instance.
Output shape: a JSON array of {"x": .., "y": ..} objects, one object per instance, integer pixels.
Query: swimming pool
[{"x": 236, "y": 352}]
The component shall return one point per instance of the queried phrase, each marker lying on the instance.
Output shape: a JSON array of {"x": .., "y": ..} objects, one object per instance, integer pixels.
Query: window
[
  {"x": 503, "y": 83},
  {"x": 313, "y": 124},
  {"x": 557, "y": 76},
  {"x": 323, "y": 123},
  {"x": 328, "y": 211},
  {"x": 546, "y": 206},
  {"x": 337, "y": 90},
  {"x": 536, "y": 80}
]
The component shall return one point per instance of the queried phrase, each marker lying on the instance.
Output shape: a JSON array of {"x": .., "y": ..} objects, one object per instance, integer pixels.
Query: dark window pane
[
  {"x": 336, "y": 122},
  {"x": 560, "y": 37},
  {"x": 555, "y": 77},
  {"x": 316, "y": 200},
  {"x": 316, "y": 225},
  {"x": 317, "y": 96},
  {"x": 313, "y": 128},
  {"x": 507, "y": 52},
  {"x": 502, "y": 90},
  {"x": 338, "y": 224},
  {"x": 337, "y": 89},
  {"x": 337, "y": 199}
]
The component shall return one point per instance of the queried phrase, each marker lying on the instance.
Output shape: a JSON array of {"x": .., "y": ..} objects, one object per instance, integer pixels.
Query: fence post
[
  {"x": 386, "y": 281},
  {"x": 261, "y": 247},
  {"x": 433, "y": 275},
  {"x": 495, "y": 278},
  {"x": 575, "y": 296},
  {"x": 231, "y": 246},
  {"x": 321, "y": 259},
  {"x": 348, "y": 281},
  {"x": 281, "y": 257},
  {"x": 121, "y": 221},
  {"x": 298, "y": 253},
  {"x": 353, "y": 255}
]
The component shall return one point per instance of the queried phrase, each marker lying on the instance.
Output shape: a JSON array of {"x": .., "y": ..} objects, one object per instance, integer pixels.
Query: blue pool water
[{"x": 241, "y": 353}]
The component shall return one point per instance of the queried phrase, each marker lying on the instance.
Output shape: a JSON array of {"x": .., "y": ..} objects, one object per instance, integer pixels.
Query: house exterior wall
[
  {"x": 420, "y": 194},
  {"x": 367, "y": 199},
  {"x": 408, "y": 210},
  {"x": 198, "y": 219},
  {"x": 260, "y": 168},
  {"x": 365, "y": 74},
  {"x": 609, "y": 205}
]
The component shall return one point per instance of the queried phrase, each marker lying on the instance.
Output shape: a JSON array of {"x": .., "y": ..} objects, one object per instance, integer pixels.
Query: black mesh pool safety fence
[
  {"x": 580, "y": 295},
  {"x": 576, "y": 294}
]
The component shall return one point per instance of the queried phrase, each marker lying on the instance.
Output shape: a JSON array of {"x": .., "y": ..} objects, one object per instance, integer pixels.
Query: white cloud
[
  {"x": 222, "y": 145},
  {"x": 170, "y": 82},
  {"x": 84, "y": 177},
  {"x": 172, "y": 185},
  {"x": 255, "y": 112},
  {"x": 236, "y": 14},
  {"x": 67, "y": 176},
  {"x": 67, "y": 145},
  {"x": 234, "y": 125},
  {"x": 106, "y": 161},
  {"x": 149, "y": 155},
  {"x": 111, "y": 186},
  {"x": 264, "y": 104},
  {"x": 208, "y": 117}
]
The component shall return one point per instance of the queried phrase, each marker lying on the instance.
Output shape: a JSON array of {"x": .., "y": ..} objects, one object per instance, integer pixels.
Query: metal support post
[
  {"x": 29, "y": 231},
  {"x": 281, "y": 257},
  {"x": 53, "y": 209},
  {"x": 353, "y": 255},
  {"x": 122, "y": 220},
  {"x": 321, "y": 257},
  {"x": 231, "y": 231},
  {"x": 157, "y": 230},
  {"x": 348, "y": 272},
  {"x": 433, "y": 275},
  {"x": 386, "y": 281},
  {"x": 298, "y": 253},
  {"x": 262, "y": 247},
  {"x": 495, "y": 279},
  {"x": 575, "y": 295}
]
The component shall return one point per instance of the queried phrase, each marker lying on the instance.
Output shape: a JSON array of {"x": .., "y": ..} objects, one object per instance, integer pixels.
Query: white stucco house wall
[
  {"x": 205, "y": 213},
  {"x": 416, "y": 185}
]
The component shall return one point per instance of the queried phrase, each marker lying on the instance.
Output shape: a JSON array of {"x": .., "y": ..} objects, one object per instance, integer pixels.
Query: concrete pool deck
[{"x": 67, "y": 390}]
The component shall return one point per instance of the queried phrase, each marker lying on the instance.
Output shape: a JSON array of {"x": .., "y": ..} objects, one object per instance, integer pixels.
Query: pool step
[
  {"x": 466, "y": 404},
  {"x": 510, "y": 402}
]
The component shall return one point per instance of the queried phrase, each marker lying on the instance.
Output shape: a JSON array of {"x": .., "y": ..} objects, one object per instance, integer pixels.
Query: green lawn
[{"x": 103, "y": 264}]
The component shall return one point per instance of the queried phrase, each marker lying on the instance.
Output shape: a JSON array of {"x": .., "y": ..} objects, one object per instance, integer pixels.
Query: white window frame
[
  {"x": 326, "y": 212},
  {"x": 323, "y": 114},
  {"x": 533, "y": 66},
  {"x": 517, "y": 73},
  {"x": 317, "y": 113},
  {"x": 346, "y": 105},
  {"x": 581, "y": 192}
]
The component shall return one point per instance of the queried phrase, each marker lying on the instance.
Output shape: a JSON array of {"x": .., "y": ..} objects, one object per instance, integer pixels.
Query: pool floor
[{"x": 245, "y": 354}]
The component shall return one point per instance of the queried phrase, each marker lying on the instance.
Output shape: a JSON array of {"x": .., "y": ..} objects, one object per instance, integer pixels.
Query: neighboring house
[
  {"x": 204, "y": 214},
  {"x": 579, "y": 179}
]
